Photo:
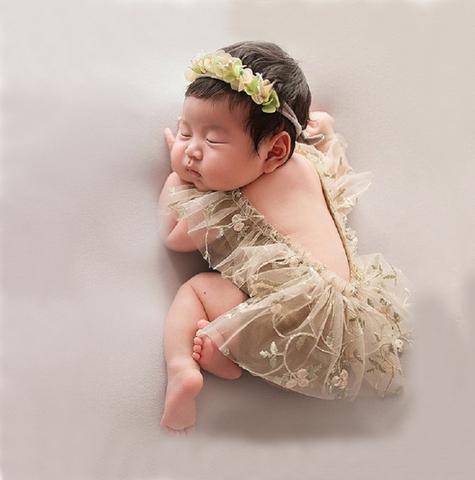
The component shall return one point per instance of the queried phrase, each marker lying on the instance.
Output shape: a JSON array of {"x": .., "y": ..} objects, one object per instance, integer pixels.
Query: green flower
[{"x": 272, "y": 104}]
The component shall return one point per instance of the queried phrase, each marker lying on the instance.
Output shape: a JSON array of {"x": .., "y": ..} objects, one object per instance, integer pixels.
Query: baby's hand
[
  {"x": 323, "y": 123},
  {"x": 320, "y": 123},
  {"x": 169, "y": 137}
]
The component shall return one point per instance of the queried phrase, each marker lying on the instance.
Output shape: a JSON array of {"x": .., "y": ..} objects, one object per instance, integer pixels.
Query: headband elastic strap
[{"x": 300, "y": 135}]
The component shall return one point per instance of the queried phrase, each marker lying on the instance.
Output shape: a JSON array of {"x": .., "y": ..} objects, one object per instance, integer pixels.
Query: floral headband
[{"x": 223, "y": 66}]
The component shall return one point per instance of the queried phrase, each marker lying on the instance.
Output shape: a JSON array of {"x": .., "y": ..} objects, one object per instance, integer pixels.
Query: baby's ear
[{"x": 277, "y": 149}]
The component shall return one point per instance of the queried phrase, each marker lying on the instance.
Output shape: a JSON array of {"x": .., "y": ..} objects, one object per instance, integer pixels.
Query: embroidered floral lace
[{"x": 303, "y": 327}]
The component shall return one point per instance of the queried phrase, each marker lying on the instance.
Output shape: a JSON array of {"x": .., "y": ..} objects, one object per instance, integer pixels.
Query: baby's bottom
[{"x": 205, "y": 296}]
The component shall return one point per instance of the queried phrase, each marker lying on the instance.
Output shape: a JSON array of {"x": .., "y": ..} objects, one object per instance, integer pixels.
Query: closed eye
[{"x": 213, "y": 142}]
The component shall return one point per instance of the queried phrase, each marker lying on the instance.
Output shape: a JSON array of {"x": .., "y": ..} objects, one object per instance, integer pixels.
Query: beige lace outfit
[{"x": 303, "y": 327}]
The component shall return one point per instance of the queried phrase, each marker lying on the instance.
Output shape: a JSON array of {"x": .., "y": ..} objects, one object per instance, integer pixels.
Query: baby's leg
[{"x": 205, "y": 296}]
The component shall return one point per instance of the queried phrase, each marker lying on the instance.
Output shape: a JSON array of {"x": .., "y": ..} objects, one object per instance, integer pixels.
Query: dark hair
[{"x": 275, "y": 65}]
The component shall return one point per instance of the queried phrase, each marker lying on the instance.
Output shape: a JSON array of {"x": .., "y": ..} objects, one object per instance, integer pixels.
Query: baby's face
[{"x": 212, "y": 149}]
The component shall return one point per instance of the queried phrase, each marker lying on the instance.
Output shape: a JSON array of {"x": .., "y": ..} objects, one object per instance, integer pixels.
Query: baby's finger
[
  {"x": 313, "y": 123},
  {"x": 169, "y": 137},
  {"x": 313, "y": 128},
  {"x": 322, "y": 118},
  {"x": 314, "y": 115}
]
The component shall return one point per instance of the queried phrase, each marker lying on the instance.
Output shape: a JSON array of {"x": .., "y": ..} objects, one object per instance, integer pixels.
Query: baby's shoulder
[
  {"x": 296, "y": 177},
  {"x": 297, "y": 172},
  {"x": 298, "y": 163}
]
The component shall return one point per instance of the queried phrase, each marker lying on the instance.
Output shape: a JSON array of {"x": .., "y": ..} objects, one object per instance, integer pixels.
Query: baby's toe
[
  {"x": 198, "y": 341},
  {"x": 202, "y": 324}
]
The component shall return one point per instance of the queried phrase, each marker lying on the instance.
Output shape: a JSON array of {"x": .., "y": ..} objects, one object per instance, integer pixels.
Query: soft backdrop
[{"x": 87, "y": 89}]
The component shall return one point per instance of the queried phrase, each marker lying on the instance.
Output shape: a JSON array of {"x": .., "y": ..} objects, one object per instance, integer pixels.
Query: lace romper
[{"x": 303, "y": 327}]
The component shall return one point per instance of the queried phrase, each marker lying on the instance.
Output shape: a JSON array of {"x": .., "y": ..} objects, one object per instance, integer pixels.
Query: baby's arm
[
  {"x": 174, "y": 232},
  {"x": 323, "y": 123}
]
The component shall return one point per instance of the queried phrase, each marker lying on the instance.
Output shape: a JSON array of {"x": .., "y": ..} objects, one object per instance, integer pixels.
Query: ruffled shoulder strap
[
  {"x": 203, "y": 211},
  {"x": 218, "y": 222},
  {"x": 343, "y": 185}
]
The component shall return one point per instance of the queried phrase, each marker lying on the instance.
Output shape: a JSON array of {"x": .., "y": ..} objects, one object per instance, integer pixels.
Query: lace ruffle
[{"x": 344, "y": 189}]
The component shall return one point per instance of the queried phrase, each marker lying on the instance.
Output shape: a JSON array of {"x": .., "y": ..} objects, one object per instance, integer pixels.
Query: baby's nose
[{"x": 194, "y": 151}]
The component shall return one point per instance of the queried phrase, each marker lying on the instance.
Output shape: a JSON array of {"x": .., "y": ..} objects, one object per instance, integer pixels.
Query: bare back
[{"x": 292, "y": 200}]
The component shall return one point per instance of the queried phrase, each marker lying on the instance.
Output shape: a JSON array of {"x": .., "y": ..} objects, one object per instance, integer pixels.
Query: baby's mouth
[{"x": 194, "y": 173}]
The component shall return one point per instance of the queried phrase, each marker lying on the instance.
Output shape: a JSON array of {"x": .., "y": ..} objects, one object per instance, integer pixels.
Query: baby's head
[{"x": 272, "y": 64}]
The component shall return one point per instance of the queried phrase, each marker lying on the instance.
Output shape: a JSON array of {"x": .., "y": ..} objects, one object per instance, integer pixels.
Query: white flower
[
  {"x": 303, "y": 382},
  {"x": 238, "y": 223},
  {"x": 277, "y": 308},
  {"x": 243, "y": 80},
  {"x": 385, "y": 309},
  {"x": 291, "y": 383},
  {"x": 399, "y": 344},
  {"x": 340, "y": 381},
  {"x": 191, "y": 75}
]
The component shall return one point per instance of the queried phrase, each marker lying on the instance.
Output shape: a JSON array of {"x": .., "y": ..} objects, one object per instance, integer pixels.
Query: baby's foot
[
  {"x": 179, "y": 416},
  {"x": 210, "y": 358}
]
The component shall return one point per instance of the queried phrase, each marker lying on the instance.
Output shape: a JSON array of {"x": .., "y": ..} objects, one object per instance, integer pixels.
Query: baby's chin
[
  {"x": 202, "y": 188},
  {"x": 199, "y": 185}
]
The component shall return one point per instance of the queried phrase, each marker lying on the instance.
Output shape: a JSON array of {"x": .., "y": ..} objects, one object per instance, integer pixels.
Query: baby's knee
[
  {"x": 211, "y": 287},
  {"x": 204, "y": 281}
]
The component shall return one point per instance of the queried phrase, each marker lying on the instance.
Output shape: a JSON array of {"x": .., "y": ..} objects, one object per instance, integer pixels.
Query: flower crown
[{"x": 223, "y": 66}]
